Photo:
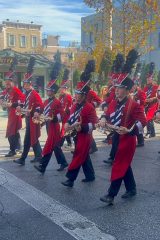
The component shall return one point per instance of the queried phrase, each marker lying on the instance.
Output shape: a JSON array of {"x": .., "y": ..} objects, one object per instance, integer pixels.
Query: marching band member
[
  {"x": 66, "y": 101},
  {"x": 108, "y": 99},
  {"x": 33, "y": 103},
  {"x": 13, "y": 96},
  {"x": 111, "y": 91},
  {"x": 151, "y": 101},
  {"x": 82, "y": 120},
  {"x": 95, "y": 100},
  {"x": 124, "y": 113},
  {"x": 53, "y": 109},
  {"x": 92, "y": 96},
  {"x": 140, "y": 97},
  {"x": 118, "y": 64},
  {"x": 113, "y": 78}
]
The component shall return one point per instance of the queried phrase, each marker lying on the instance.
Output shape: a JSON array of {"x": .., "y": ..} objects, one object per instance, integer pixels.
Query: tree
[
  {"x": 105, "y": 66},
  {"x": 81, "y": 58},
  {"x": 76, "y": 77},
  {"x": 133, "y": 21},
  {"x": 158, "y": 78},
  {"x": 57, "y": 71}
]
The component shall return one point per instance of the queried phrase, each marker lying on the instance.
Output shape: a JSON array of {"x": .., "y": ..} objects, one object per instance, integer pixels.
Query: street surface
[{"x": 36, "y": 207}]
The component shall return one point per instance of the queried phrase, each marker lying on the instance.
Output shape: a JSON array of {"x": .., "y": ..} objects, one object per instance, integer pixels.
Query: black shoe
[
  {"x": 85, "y": 180},
  {"x": 129, "y": 194},
  {"x": 62, "y": 167},
  {"x": 20, "y": 161},
  {"x": 93, "y": 150},
  {"x": 34, "y": 160},
  {"x": 140, "y": 145},
  {"x": 109, "y": 160},
  {"x": 107, "y": 199},
  {"x": 152, "y": 135},
  {"x": 10, "y": 154},
  {"x": 40, "y": 168},
  {"x": 68, "y": 183}
]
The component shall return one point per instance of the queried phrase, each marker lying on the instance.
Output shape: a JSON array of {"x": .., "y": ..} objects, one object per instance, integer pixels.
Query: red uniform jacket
[
  {"x": 66, "y": 101},
  {"x": 15, "y": 96},
  {"x": 34, "y": 104},
  {"x": 88, "y": 119},
  {"x": 150, "y": 108},
  {"x": 93, "y": 98},
  {"x": 110, "y": 95},
  {"x": 131, "y": 113},
  {"x": 140, "y": 96},
  {"x": 54, "y": 137}
]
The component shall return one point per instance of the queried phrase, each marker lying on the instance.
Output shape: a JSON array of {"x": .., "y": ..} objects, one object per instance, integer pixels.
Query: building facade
[
  {"x": 94, "y": 24},
  {"x": 91, "y": 26},
  {"x": 20, "y": 37},
  {"x": 41, "y": 73},
  {"x": 153, "y": 55}
]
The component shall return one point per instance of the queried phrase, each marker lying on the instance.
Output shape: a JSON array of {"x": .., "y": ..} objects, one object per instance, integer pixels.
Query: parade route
[
  {"x": 76, "y": 225},
  {"x": 35, "y": 206}
]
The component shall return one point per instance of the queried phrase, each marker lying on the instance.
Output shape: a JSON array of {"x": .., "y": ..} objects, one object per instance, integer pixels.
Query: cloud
[{"x": 62, "y": 17}]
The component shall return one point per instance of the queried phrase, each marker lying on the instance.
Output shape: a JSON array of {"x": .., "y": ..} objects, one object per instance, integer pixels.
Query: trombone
[{"x": 112, "y": 128}]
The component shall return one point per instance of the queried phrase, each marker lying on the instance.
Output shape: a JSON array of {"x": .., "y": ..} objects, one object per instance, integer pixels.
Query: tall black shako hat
[
  {"x": 151, "y": 70},
  {"x": 28, "y": 76},
  {"x": 82, "y": 86},
  {"x": 11, "y": 75},
  {"x": 116, "y": 68},
  {"x": 52, "y": 86},
  {"x": 123, "y": 81}
]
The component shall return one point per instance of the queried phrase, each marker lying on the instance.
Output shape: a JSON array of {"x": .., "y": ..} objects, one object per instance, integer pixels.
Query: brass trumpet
[
  {"x": 41, "y": 119},
  {"x": 74, "y": 129},
  {"x": 5, "y": 104},
  {"x": 23, "y": 111}
]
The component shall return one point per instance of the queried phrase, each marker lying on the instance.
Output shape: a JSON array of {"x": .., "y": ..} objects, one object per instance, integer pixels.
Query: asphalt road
[{"x": 38, "y": 207}]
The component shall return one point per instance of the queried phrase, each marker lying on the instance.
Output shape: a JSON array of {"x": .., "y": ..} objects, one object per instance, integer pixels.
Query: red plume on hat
[
  {"x": 65, "y": 81},
  {"x": 117, "y": 66},
  {"x": 29, "y": 75},
  {"x": 82, "y": 87},
  {"x": 10, "y": 75},
  {"x": 52, "y": 86}
]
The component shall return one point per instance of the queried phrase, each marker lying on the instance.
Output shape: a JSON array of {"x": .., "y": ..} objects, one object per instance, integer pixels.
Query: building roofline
[{"x": 21, "y": 23}]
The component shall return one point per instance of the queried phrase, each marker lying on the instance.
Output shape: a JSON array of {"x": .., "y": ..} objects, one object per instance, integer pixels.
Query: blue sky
[{"x": 62, "y": 17}]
